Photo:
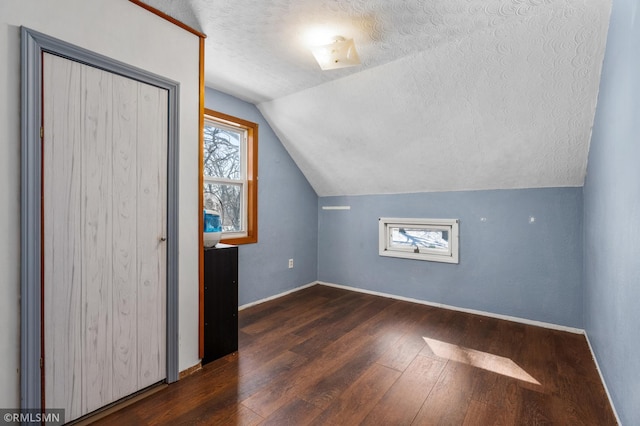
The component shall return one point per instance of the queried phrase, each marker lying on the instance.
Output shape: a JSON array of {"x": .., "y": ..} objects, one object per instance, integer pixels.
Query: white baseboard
[
  {"x": 604, "y": 383},
  {"x": 257, "y": 302},
  {"x": 455, "y": 308},
  {"x": 423, "y": 302}
]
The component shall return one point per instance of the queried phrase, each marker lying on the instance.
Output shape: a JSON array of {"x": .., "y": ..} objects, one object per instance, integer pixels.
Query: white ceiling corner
[{"x": 451, "y": 94}]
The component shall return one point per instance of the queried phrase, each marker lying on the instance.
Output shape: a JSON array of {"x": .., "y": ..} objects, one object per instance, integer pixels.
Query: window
[
  {"x": 422, "y": 239},
  {"x": 231, "y": 175}
]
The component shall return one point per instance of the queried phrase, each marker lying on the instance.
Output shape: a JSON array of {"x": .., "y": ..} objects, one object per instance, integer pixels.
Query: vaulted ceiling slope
[{"x": 451, "y": 95}]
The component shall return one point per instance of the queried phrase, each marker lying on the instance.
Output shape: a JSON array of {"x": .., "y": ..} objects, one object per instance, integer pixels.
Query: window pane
[
  {"x": 433, "y": 239},
  {"x": 226, "y": 199},
  {"x": 222, "y": 152}
]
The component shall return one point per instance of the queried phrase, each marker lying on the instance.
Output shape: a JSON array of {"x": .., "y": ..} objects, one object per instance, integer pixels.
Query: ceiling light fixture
[{"x": 341, "y": 53}]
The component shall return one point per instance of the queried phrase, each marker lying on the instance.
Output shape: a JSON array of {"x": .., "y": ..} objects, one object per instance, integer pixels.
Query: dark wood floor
[{"x": 326, "y": 356}]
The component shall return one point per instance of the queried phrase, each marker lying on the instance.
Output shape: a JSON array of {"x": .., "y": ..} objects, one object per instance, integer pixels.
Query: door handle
[{"x": 163, "y": 239}]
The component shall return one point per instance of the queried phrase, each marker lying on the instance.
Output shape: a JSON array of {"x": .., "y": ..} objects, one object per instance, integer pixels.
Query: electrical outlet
[{"x": 290, "y": 263}]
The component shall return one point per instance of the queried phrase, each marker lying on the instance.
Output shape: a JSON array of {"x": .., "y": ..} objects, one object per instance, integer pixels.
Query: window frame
[
  {"x": 386, "y": 248},
  {"x": 249, "y": 152}
]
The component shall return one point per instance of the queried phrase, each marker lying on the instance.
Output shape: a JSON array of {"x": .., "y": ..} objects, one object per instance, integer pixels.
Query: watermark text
[{"x": 15, "y": 416}]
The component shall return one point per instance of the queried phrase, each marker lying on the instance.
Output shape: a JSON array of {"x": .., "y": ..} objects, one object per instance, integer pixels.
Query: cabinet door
[{"x": 220, "y": 302}]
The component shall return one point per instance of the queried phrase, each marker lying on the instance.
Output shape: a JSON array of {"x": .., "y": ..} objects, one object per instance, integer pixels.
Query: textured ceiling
[{"x": 451, "y": 94}]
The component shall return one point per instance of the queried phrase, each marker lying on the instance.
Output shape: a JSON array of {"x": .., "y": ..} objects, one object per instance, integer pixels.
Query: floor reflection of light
[{"x": 486, "y": 361}]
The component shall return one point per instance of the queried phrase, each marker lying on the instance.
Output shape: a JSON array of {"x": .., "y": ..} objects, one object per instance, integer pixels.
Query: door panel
[
  {"x": 125, "y": 260},
  {"x": 104, "y": 188},
  {"x": 96, "y": 195},
  {"x": 62, "y": 244},
  {"x": 152, "y": 249}
]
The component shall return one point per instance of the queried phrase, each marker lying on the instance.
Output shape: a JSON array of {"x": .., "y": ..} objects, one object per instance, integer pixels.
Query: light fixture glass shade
[{"x": 339, "y": 54}]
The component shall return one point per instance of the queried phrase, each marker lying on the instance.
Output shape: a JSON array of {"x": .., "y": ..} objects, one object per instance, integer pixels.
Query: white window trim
[
  {"x": 385, "y": 248},
  {"x": 242, "y": 181}
]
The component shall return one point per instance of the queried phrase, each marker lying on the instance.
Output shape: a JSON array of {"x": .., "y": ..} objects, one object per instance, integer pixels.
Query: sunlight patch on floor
[{"x": 486, "y": 361}]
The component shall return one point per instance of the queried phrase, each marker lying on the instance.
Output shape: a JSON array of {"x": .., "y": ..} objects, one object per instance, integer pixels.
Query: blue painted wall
[
  {"x": 612, "y": 216},
  {"x": 507, "y": 266},
  {"x": 287, "y": 214}
]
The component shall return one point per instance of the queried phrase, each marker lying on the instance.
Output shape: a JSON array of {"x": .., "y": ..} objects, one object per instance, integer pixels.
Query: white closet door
[{"x": 104, "y": 189}]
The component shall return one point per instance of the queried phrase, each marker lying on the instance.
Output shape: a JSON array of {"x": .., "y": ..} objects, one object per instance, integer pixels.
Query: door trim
[{"x": 33, "y": 45}]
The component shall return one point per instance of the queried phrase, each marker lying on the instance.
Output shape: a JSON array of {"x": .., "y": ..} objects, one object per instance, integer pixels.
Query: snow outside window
[{"x": 421, "y": 239}]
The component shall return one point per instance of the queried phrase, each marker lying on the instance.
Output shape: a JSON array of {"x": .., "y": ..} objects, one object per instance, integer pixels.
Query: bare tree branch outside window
[{"x": 222, "y": 166}]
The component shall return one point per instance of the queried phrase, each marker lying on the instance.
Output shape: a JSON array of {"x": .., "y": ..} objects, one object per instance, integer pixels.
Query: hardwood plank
[
  {"x": 538, "y": 358},
  {"x": 285, "y": 388},
  {"x": 450, "y": 398},
  {"x": 332, "y": 357},
  {"x": 221, "y": 379},
  {"x": 336, "y": 380},
  {"x": 262, "y": 351},
  {"x": 296, "y": 412},
  {"x": 573, "y": 357},
  {"x": 231, "y": 415},
  {"x": 349, "y": 319},
  {"x": 256, "y": 313},
  {"x": 483, "y": 414},
  {"x": 360, "y": 398},
  {"x": 481, "y": 333},
  {"x": 508, "y": 338},
  {"x": 498, "y": 390},
  {"x": 334, "y": 313},
  {"x": 287, "y": 318},
  {"x": 262, "y": 378},
  {"x": 401, "y": 404},
  {"x": 400, "y": 355},
  {"x": 537, "y": 409},
  {"x": 446, "y": 326},
  {"x": 288, "y": 312},
  {"x": 348, "y": 381},
  {"x": 580, "y": 398}
]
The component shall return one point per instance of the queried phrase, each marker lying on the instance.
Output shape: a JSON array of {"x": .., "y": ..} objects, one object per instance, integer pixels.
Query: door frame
[{"x": 33, "y": 45}]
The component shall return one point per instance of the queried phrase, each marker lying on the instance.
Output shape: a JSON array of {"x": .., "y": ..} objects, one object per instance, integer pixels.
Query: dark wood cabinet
[{"x": 220, "y": 302}]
